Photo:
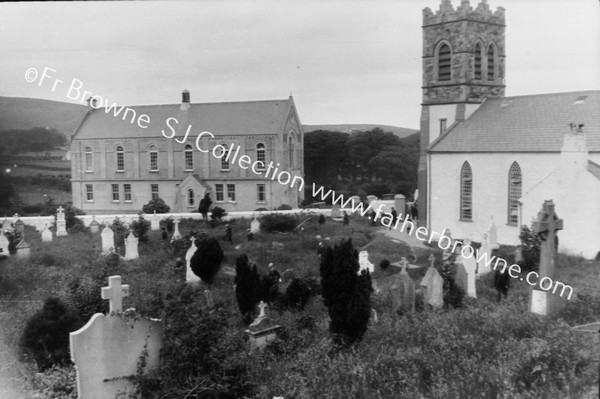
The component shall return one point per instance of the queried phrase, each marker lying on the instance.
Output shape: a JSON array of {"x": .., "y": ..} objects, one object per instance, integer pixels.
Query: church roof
[
  {"x": 534, "y": 123},
  {"x": 225, "y": 118}
]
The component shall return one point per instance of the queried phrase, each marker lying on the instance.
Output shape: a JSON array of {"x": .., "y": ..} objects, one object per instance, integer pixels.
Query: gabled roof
[
  {"x": 227, "y": 118},
  {"x": 594, "y": 169},
  {"x": 534, "y": 123}
]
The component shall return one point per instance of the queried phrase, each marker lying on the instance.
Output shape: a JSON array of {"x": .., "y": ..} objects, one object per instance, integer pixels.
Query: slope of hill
[
  {"x": 351, "y": 128},
  {"x": 27, "y": 113}
]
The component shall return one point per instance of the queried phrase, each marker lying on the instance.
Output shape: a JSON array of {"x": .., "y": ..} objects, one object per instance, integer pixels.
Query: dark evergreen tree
[
  {"x": 157, "y": 205},
  {"x": 207, "y": 259},
  {"x": 246, "y": 287},
  {"x": 321, "y": 219},
  {"x": 140, "y": 228},
  {"x": 346, "y": 294},
  {"x": 204, "y": 206},
  {"x": 297, "y": 294}
]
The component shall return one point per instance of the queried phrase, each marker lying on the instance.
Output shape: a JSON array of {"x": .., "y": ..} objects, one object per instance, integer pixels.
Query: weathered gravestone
[
  {"x": 6, "y": 225},
  {"x": 336, "y": 212},
  {"x": 3, "y": 243},
  {"x": 154, "y": 222},
  {"x": 545, "y": 226},
  {"x": 61, "y": 224},
  {"x": 403, "y": 291},
  {"x": 470, "y": 263},
  {"x": 262, "y": 330},
  {"x": 432, "y": 286},
  {"x": 46, "y": 234},
  {"x": 190, "y": 276},
  {"x": 131, "y": 247},
  {"x": 94, "y": 226},
  {"x": 365, "y": 264},
  {"x": 109, "y": 351},
  {"x": 108, "y": 240},
  {"x": 255, "y": 226},
  {"x": 484, "y": 254},
  {"x": 23, "y": 249},
  {"x": 176, "y": 233},
  {"x": 19, "y": 227}
]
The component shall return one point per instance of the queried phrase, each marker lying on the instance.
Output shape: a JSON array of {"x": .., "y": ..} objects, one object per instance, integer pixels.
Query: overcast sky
[{"x": 352, "y": 61}]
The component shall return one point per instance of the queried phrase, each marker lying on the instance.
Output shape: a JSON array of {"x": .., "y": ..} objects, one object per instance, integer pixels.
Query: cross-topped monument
[
  {"x": 115, "y": 293},
  {"x": 546, "y": 226}
]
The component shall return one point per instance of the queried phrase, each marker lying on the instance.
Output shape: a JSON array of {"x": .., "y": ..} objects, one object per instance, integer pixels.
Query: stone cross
[
  {"x": 546, "y": 226},
  {"x": 262, "y": 307},
  {"x": 404, "y": 263},
  {"x": 431, "y": 260},
  {"x": 60, "y": 212},
  {"x": 115, "y": 293},
  {"x": 176, "y": 233}
]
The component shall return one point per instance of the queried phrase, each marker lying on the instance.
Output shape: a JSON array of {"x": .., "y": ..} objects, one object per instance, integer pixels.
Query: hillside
[
  {"x": 27, "y": 113},
  {"x": 351, "y": 128}
]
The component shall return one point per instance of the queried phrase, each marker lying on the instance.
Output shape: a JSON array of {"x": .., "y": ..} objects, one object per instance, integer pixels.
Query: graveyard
[{"x": 471, "y": 345}]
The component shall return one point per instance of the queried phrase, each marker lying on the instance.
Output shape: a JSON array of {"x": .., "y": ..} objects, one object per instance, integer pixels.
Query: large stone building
[
  {"x": 485, "y": 155},
  {"x": 118, "y": 165}
]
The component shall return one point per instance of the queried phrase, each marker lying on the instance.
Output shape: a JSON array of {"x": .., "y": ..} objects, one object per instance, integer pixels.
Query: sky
[{"x": 351, "y": 61}]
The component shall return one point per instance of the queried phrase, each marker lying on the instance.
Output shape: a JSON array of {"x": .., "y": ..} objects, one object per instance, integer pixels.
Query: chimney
[{"x": 185, "y": 100}]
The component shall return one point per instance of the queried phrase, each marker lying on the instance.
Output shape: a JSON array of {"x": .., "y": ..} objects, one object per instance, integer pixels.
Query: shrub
[
  {"x": 140, "y": 228},
  {"x": 217, "y": 213},
  {"x": 530, "y": 249},
  {"x": 204, "y": 206},
  {"x": 284, "y": 207},
  {"x": 157, "y": 205},
  {"x": 346, "y": 294},
  {"x": 120, "y": 233},
  {"x": 297, "y": 294},
  {"x": 72, "y": 222},
  {"x": 321, "y": 219},
  {"x": 46, "y": 335},
  {"x": 280, "y": 223},
  {"x": 260, "y": 209},
  {"x": 247, "y": 283},
  {"x": 207, "y": 259}
]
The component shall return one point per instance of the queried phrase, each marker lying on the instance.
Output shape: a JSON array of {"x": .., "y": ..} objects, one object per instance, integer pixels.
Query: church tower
[{"x": 463, "y": 64}]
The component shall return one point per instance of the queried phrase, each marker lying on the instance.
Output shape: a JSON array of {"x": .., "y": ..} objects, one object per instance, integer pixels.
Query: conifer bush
[
  {"x": 297, "y": 294},
  {"x": 217, "y": 213},
  {"x": 207, "y": 259},
  {"x": 247, "y": 287},
  {"x": 281, "y": 223},
  {"x": 204, "y": 205},
  {"x": 157, "y": 205},
  {"x": 321, "y": 219},
  {"x": 530, "y": 249},
  {"x": 140, "y": 228}
]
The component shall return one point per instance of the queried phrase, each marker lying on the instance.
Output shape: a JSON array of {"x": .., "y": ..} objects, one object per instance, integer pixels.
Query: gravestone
[
  {"x": 39, "y": 224},
  {"x": 19, "y": 227},
  {"x": 61, "y": 224},
  {"x": 210, "y": 302},
  {"x": 176, "y": 233},
  {"x": 262, "y": 330},
  {"x": 154, "y": 222},
  {"x": 131, "y": 247},
  {"x": 336, "y": 212},
  {"x": 484, "y": 252},
  {"x": 545, "y": 226},
  {"x": 493, "y": 234},
  {"x": 108, "y": 239},
  {"x": 3, "y": 243},
  {"x": 432, "y": 285},
  {"x": 190, "y": 276},
  {"x": 23, "y": 249},
  {"x": 365, "y": 264},
  {"x": 255, "y": 226},
  {"x": 46, "y": 234},
  {"x": 94, "y": 226},
  {"x": 6, "y": 225},
  {"x": 109, "y": 351},
  {"x": 403, "y": 291},
  {"x": 470, "y": 263}
]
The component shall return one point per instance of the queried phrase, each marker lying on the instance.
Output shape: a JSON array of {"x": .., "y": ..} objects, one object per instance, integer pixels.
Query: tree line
[{"x": 38, "y": 139}]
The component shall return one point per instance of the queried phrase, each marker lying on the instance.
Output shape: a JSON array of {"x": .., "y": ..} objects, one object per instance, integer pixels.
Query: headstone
[
  {"x": 23, "y": 249},
  {"x": 6, "y": 225},
  {"x": 403, "y": 291},
  {"x": 176, "y": 233},
  {"x": 19, "y": 227},
  {"x": 190, "y": 276},
  {"x": 4, "y": 244},
  {"x": 154, "y": 222},
  {"x": 255, "y": 226},
  {"x": 131, "y": 247},
  {"x": 61, "y": 224},
  {"x": 336, "y": 212},
  {"x": 209, "y": 299},
  {"x": 432, "y": 285},
  {"x": 545, "y": 226},
  {"x": 365, "y": 264},
  {"x": 39, "y": 224},
  {"x": 94, "y": 226},
  {"x": 107, "y": 351},
  {"x": 484, "y": 253},
  {"x": 493, "y": 234},
  {"x": 470, "y": 264},
  {"x": 262, "y": 330},
  {"x": 46, "y": 234},
  {"x": 108, "y": 239}
]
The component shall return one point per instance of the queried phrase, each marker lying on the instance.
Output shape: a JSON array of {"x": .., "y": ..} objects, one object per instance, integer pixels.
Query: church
[
  {"x": 118, "y": 166},
  {"x": 490, "y": 158}
]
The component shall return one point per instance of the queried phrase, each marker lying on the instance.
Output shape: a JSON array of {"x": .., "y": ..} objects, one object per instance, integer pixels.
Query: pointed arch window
[
  {"x": 466, "y": 192},
  {"x": 444, "y": 62},
  {"x": 189, "y": 157},
  {"x": 120, "y": 159},
  {"x": 153, "y": 159},
  {"x": 291, "y": 150},
  {"x": 191, "y": 197},
  {"x": 477, "y": 57},
  {"x": 491, "y": 62},
  {"x": 89, "y": 160},
  {"x": 514, "y": 193},
  {"x": 261, "y": 156}
]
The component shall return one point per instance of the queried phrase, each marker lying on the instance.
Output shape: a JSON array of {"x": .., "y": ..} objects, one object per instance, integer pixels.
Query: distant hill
[
  {"x": 350, "y": 128},
  {"x": 27, "y": 113}
]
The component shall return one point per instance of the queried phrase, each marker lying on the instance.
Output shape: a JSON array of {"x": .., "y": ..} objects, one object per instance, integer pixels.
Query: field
[{"x": 484, "y": 349}]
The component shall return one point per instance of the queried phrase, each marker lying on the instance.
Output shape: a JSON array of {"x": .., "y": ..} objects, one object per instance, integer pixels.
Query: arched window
[
  {"x": 153, "y": 159},
  {"x": 291, "y": 150},
  {"x": 466, "y": 192},
  {"x": 189, "y": 157},
  {"x": 224, "y": 158},
  {"x": 477, "y": 57},
  {"x": 89, "y": 160},
  {"x": 261, "y": 156},
  {"x": 491, "y": 62},
  {"x": 120, "y": 159},
  {"x": 444, "y": 62},
  {"x": 191, "y": 197},
  {"x": 514, "y": 193}
]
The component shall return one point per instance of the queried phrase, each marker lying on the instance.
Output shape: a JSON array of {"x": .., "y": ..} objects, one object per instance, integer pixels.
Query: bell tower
[{"x": 463, "y": 64}]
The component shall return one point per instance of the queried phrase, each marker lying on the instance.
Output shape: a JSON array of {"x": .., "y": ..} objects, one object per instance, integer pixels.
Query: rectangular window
[
  {"x": 261, "y": 193},
  {"x": 443, "y": 126},
  {"x": 89, "y": 162},
  {"x": 127, "y": 191},
  {"x": 189, "y": 160},
  {"x": 231, "y": 192},
  {"x": 154, "y": 161},
  {"x": 115, "y": 192},
  {"x": 154, "y": 191},
  {"x": 89, "y": 192},
  {"x": 224, "y": 161},
  {"x": 219, "y": 190}
]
